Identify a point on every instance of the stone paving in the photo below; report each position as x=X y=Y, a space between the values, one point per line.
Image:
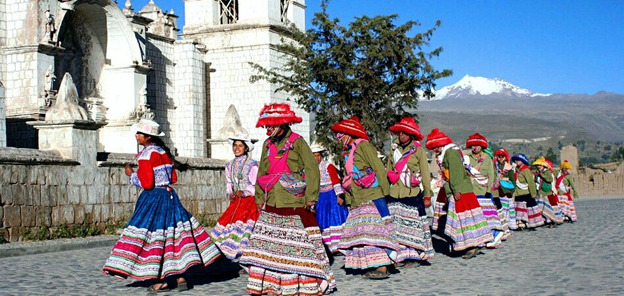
x=584 y=258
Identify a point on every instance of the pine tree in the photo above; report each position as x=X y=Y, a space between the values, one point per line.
x=374 y=69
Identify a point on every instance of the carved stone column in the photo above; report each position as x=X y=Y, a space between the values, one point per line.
x=68 y=129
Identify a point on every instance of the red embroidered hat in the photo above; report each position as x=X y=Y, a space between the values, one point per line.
x=436 y=138
x=477 y=139
x=351 y=126
x=409 y=126
x=275 y=114
x=501 y=152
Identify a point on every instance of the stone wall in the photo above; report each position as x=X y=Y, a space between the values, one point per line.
x=2 y=117
x=160 y=86
x=41 y=188
x=595 y=182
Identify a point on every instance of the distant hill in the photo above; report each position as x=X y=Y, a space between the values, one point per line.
x=505 y=112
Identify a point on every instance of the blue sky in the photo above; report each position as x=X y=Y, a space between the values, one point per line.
x=546 y=46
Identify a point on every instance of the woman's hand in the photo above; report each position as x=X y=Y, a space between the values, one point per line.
x=427 y=202
x=310 y=206
x=129 y=170
x=340 y=199
x=457 y=196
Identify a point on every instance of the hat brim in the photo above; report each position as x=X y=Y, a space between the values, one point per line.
x=135 y=129
x=247 y=142
x=406 y=129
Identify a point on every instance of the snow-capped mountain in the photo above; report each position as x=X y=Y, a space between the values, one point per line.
x=481 y=86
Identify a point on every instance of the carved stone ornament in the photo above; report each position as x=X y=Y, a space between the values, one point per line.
x=66 y=106
x=232 y=125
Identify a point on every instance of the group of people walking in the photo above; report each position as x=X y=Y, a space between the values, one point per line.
x=291 y=212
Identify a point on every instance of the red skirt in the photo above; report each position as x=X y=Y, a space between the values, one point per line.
x=240 y=209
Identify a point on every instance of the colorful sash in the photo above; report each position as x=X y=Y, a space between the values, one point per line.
x=279 y=170
x=401 y=170
x=364 y=179
x=520 y=185
x=559 y=183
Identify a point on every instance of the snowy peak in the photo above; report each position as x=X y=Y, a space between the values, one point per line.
x=481 y=86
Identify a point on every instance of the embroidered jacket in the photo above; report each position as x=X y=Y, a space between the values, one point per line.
x=365 y=158
x=417 y=163
x=485 y=166
x=329 y=178
x=240 y=174
x=300 y=160
x=155 y=169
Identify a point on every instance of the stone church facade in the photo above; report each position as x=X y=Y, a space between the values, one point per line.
x=130 y=63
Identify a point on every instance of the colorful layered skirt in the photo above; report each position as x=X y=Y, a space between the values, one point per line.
x=285 y=255
x=160 y=240
x=528 y=212
x=465 y=223
x=509 y=211
x=550 y=209
x=233 y=229
x=411 y=227
x=567 y=206
x=330 y=217
x=490 y=212
x=368 y=237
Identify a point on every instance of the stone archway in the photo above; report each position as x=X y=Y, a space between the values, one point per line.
x=103 y=54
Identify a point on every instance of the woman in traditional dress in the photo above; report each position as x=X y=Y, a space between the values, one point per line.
x=465 y=223
x=410 y=193
x=233 y=229
x=367 y=240
x=565 y=187
x=547 y=201
x=504 y=189
x=528 y=214
x=285 y=254
x=162 y=239
x=331 y=210
x=482 y=184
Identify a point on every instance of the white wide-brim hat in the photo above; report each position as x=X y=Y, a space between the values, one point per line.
x=243 y=138
x=316 y=148
x=148 y=127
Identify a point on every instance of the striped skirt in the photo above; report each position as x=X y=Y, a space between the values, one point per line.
x=465 y=223
x=330 y=216
x=528 y=212
x=233 y=229
x=550 y=210
x=509 y=211
x=567 y=206
x=411 y=227
x=160 y=240
x=368 y=237
x=490 y=212
x=439 y=209
x=286 y=255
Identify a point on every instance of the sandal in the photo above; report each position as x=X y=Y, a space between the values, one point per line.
x=375 y=275
x=182 y=286
x=164 y=287
x=470 y=254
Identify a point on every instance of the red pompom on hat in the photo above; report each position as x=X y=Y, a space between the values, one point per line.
x=276 y=114
x=352 y=127
x=409 y=126
x=436 y=138
x=501 y=152
x=477 y=139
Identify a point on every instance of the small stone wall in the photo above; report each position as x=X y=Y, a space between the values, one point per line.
x=595 y=182
x=41 y=188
